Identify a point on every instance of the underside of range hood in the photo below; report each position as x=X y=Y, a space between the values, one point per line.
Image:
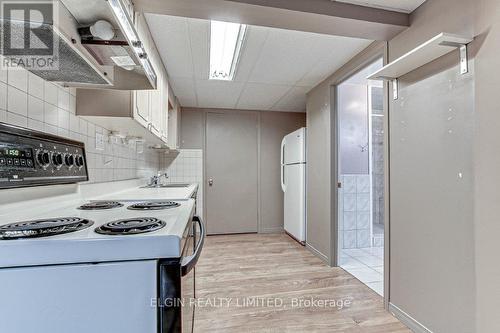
x=70 y=67
x=125 y=53
x=79 y=63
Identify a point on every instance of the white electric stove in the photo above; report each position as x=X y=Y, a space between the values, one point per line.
x=69 y=264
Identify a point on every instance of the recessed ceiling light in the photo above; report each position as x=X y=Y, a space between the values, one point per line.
x=226 y=40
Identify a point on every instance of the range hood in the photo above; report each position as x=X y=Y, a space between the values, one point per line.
x=89 y=63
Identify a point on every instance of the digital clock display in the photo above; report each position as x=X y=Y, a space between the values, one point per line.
x=13 y=152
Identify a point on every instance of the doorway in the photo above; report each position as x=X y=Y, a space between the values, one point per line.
x=361 y=192
x=231 y=172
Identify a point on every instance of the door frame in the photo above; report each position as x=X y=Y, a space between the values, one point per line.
x=382 y=53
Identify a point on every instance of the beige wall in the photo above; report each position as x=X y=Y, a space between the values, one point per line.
x=273 y=126
x=463 y=242
x=321 y=156
x=487 y=164
x=431 y=214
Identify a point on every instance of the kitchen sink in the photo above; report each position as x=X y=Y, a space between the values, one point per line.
x=175 y=185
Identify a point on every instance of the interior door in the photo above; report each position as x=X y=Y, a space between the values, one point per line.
x=231 y=172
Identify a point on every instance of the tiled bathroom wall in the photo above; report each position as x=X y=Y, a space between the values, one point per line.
x=186 y=166
x=355 y=211
x=28 y=101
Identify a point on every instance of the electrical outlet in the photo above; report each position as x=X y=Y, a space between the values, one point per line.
x=99 y=141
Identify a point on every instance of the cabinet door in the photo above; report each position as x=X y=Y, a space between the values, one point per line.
x=156 y=108
x=172 y=127
x=164 y=111
x=141 y=107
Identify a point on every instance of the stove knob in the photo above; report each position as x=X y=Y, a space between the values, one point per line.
x=57 y=159
x=79 y=161
x=43 y=158
x=69 y=160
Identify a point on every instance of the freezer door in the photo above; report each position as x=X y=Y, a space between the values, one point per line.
x=294 y=147
x=295 y=201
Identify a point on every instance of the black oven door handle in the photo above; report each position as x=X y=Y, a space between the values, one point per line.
x=188 y=262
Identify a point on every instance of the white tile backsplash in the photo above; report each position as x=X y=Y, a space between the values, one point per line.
x=17 y=101
x=186 y=166
x=35 y=86
x=35 y=108
x=27 y=100
x=3 y=96
x=18 y=78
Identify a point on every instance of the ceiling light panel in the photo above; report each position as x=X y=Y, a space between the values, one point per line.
x=226 y=40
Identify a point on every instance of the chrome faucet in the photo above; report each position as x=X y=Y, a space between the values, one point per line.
x=156 y=179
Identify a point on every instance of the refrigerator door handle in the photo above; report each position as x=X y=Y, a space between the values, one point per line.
x=282 y=162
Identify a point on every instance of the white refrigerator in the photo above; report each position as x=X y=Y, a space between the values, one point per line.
x=293 y=183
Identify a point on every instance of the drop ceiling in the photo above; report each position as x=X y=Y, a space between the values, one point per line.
x=276 y=69
x=405 y=6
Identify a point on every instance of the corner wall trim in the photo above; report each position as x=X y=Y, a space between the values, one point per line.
x=407 y=320
x=317 y=253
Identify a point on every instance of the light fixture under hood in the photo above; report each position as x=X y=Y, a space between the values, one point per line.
x=128 y=30
x=226 y=40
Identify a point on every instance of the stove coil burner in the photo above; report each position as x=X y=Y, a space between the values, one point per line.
x=96 y=205
x=131 y=226
x=43 y=228
x=154 y=205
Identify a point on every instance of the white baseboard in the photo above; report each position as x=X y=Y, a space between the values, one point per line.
x=408 y=320
x=317 y=253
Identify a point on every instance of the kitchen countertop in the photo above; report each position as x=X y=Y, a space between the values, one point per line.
x=148 y=193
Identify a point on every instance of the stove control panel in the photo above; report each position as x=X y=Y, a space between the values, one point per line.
x=30 y=158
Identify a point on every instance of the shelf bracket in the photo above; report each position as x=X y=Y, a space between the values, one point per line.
x=464 y=67
x=395 y=89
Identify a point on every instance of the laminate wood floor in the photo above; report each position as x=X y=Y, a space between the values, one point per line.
x=265 y=283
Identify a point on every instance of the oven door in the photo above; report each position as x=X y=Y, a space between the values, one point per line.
x=177 y=283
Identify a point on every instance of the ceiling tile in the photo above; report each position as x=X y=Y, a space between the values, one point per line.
x=254 y=41
x=285 y=57
x=293 y=101
x=333 y=57
x=175 y=50
x=199 y=32
x=218 y=94
x=258 y=96
x=184 y=89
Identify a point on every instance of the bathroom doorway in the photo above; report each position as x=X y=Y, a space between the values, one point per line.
x=361 y=178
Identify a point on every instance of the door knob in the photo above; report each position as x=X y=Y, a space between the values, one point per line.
x=210 y=182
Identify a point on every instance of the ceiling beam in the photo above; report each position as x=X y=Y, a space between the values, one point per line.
x=319 y=16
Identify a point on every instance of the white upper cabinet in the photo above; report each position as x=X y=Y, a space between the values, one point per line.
x=157 y=106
